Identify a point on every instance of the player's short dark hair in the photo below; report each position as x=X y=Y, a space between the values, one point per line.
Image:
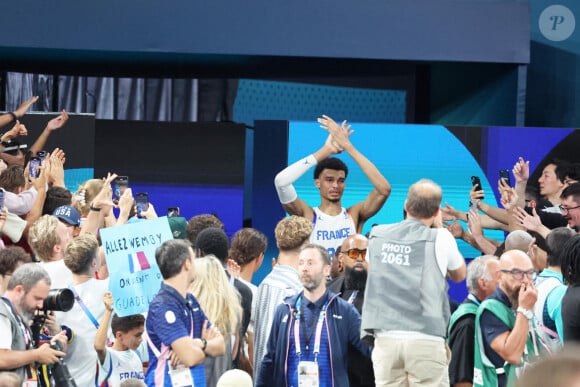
x=330 y=163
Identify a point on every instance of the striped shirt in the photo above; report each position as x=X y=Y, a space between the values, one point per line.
x=282 y=282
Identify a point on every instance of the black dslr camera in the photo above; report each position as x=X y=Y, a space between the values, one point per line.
x=59 y=371
x=58 y=300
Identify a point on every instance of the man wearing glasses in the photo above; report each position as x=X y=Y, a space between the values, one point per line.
x=502 y=323
x=570 y=206
x=351 y=287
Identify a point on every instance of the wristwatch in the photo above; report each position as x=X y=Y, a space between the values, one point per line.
x=526 y=312
x=5 y=143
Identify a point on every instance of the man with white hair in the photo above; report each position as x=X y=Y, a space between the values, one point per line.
x=481 y=282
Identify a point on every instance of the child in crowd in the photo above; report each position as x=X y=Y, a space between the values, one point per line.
x=119 y=362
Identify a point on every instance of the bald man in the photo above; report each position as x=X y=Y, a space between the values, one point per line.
x=406 y=304
x=502 y=323
x=518 y=240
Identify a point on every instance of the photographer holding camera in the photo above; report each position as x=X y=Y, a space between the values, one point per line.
x=26 y=291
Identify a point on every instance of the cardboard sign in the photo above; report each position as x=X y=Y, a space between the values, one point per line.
x=134 y=277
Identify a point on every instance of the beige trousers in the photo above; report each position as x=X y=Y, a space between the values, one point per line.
x=410 y=363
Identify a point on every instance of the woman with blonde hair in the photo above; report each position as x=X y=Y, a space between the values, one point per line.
x=222 y=305
x=85 y=195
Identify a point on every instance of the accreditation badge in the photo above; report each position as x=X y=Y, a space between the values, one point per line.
x=31 y=377
x=180 y=376
x=308 y=374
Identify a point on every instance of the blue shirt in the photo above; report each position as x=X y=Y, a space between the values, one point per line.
x=170 y=318
x=309 y=314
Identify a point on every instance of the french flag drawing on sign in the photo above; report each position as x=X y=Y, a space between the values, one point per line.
x=138 y=261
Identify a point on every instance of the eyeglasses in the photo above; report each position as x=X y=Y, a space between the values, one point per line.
x=355 y=253
x=519 y=274
x=567 y=209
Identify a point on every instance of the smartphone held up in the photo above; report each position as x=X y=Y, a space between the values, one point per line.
x=141 y=202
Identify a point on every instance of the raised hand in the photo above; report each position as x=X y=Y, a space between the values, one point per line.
x=105 y=196
x=59 y=154
x=454 y=228
x=23 y=108
x=529 y=222
x=474 y=223
x=108 y=301
x=340 y=134
x=476 y=196
x=56 y=171
x=521 y=170
x=57 y=122
x=528 y=295
x=449 y=212
x=17 y=130
x=509 y=196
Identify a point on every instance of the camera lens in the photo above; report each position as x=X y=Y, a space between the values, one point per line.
x=59 y=300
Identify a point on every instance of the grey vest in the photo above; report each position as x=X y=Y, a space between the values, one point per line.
x=405 y=289
x=18 y=342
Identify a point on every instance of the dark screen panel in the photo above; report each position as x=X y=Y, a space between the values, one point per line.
x=76 y=137
x=198 y=153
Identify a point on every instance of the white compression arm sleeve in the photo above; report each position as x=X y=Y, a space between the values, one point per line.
x=284 y=179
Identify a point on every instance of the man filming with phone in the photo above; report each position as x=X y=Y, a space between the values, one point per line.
x=26 y=291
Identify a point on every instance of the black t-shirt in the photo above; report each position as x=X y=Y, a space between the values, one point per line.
x=246 y=294
x=551 y=220
x=360 y=367
x=571 y=314
x=462 y=345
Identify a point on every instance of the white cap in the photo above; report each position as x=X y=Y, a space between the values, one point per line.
x=235 y=378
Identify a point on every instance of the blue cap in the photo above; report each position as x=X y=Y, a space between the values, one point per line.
x=68 y=214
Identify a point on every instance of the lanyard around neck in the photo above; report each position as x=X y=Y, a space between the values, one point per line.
x=352 y=296
x=84 y=307
x=321 y=316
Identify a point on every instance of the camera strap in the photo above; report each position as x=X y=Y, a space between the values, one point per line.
x=84 y=307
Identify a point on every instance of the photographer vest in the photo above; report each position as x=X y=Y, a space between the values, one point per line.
x=18 y=338
x=485 y=374
x=464 y=309
x=405 y=290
